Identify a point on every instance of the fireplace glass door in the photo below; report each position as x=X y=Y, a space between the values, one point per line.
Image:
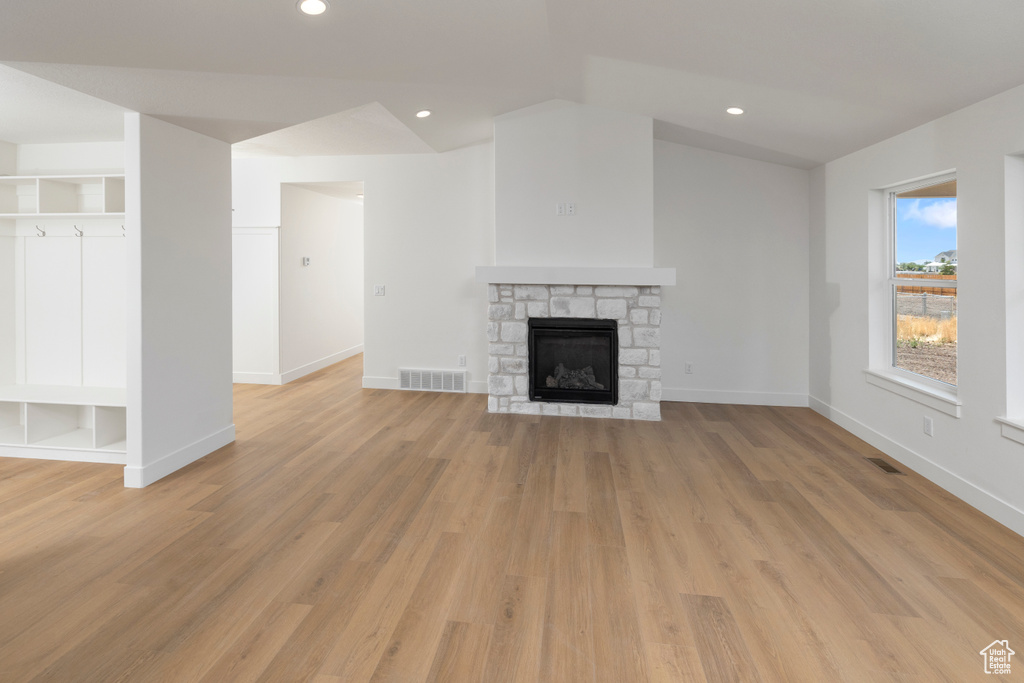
x=573 y=360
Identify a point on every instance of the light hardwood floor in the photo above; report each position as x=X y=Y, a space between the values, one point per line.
x=363 y=535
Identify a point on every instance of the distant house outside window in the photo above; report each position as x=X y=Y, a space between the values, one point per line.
x=923 y=222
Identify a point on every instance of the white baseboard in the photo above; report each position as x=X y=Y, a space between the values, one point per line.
x=255 y=378
x=138 y=477
x=996 y=508
x=683 y=395
x=308 y=368
x=380 y=382
x=68 y=454
x=742 y=398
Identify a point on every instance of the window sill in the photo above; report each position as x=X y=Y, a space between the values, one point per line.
x=1012 y=429
x=922 y=391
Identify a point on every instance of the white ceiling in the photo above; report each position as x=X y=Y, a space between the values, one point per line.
x=33 y=110
x=818 y=78
x=370 y=129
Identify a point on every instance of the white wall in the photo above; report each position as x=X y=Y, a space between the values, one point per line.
x=1014 y=270
x=178 y=213
x=8 y=158
x=428 y=222
x=322 y=303
x=967 y=455
x=736 y=230
x=70 y=158
x=8 y=349
x=255 y=296
x=599 y=159
x=428 y=226
x=351 y=308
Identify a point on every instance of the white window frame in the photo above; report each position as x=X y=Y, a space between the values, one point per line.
x=925 y=390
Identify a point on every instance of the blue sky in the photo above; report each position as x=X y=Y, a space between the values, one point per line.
x=925 y=226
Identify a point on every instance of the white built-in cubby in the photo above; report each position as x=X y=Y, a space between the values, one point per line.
x=53 y=196
x=63 y=418
x=63 y=323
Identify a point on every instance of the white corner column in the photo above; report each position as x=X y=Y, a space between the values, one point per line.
x=178 y=227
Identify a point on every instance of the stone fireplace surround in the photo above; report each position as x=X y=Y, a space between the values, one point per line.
x=637 y=309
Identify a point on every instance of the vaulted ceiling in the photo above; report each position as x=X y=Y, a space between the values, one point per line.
x=817 y=78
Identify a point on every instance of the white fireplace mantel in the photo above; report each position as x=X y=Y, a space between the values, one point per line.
x=554 y=275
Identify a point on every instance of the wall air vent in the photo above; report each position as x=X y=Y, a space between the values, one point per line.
x=414 y=379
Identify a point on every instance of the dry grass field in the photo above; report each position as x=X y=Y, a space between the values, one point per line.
x=911 y=328
x=927 y=346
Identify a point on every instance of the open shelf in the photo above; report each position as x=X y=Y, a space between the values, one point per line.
x=110 y=427
x=12 y=424
x=19 y=195
x=46 y=421
x=59 y=196
x=12 y=436
x=60 y=417
x=79 y=439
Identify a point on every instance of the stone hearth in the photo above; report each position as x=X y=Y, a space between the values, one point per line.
x=638 y=313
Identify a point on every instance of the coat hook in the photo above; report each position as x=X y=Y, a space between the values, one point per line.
x=42 y=233
x=78 y=233
x=123 y=233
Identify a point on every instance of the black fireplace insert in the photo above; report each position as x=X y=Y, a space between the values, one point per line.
x=574 y=360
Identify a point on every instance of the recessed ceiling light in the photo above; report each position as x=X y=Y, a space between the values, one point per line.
x=423 y=113
x=313 y=7
x=735 y=111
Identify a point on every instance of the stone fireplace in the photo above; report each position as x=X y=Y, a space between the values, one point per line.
x=574 y=238
x=636 y=312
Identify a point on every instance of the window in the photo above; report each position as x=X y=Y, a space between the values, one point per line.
x=923 y=277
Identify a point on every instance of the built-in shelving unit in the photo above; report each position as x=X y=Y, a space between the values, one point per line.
x=61 y=196
x=62 y=317
x=62 y=417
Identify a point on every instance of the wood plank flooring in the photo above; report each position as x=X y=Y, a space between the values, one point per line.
x=366 y=535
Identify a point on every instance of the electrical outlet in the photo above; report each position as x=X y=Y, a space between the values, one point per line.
x=929 y=426
x=378 y=290
x=462 y=361
x=560 y=209
x=305 y=260
x=689 y=368
x=570 y=209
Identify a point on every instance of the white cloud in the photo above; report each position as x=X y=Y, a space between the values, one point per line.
x=940 y=214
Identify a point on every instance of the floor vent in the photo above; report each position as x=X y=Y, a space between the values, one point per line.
x=432 y=380
x=884 y=466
